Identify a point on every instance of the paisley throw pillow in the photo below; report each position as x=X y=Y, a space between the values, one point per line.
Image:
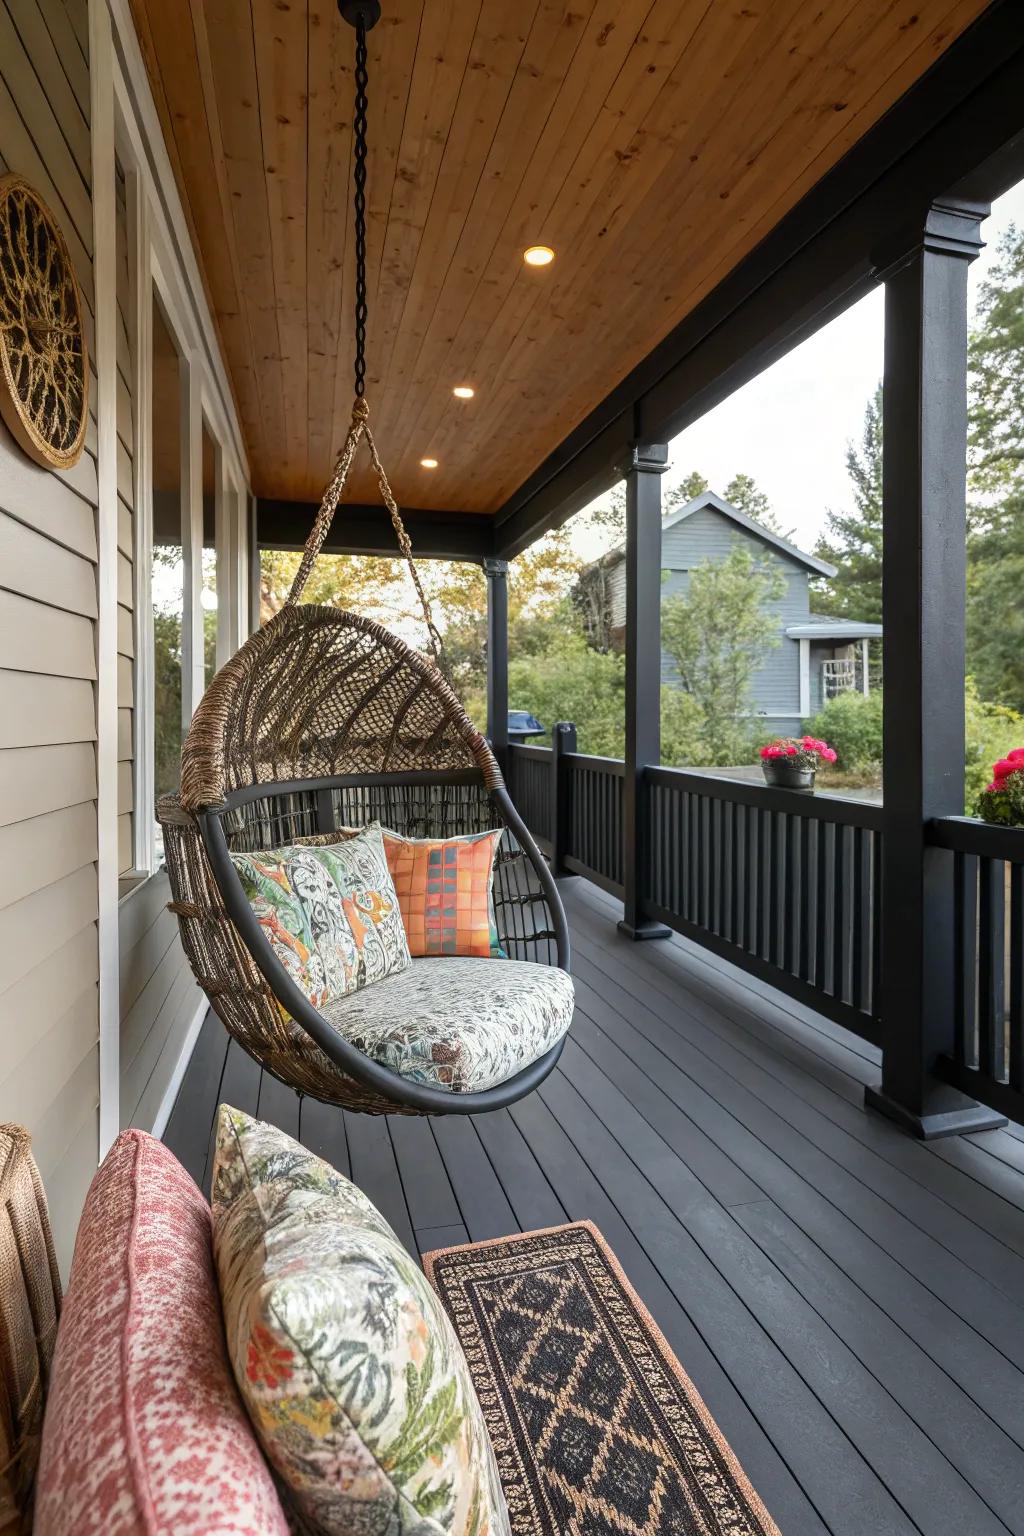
x=354 y=1380
x=330 y=914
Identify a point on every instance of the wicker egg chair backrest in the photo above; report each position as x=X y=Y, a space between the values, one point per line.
x=318 y=693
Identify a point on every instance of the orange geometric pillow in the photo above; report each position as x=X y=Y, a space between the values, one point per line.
x=444 y=892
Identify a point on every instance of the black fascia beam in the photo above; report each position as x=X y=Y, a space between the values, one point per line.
x=360 y=529
x=960 y=126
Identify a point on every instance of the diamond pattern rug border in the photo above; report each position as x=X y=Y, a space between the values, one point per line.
x=655 y=1463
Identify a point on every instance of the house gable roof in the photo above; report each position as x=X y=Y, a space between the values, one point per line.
x=749 y=525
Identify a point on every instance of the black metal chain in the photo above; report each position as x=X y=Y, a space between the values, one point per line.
x=359 y=133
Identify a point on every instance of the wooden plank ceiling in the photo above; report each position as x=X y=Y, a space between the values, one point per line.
x=650 y=144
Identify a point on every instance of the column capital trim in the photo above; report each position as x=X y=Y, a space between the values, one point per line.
x=494 y=567
x=646 y=459
x=951 y=227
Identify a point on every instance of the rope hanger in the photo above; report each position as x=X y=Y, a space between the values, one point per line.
x=362 y=15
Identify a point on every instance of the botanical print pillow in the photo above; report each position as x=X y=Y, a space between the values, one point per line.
x=353 y=1377
x=331 y=914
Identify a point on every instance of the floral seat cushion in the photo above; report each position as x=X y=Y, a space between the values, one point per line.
x=353 y=1377
x=458 y=1022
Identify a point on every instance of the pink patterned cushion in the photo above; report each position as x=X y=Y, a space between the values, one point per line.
x=144 y=1432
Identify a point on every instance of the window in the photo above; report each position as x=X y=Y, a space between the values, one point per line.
x=211 y=569
x=168 y=568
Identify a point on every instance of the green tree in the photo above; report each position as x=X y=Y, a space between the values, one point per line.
x=539 y=612
x=744 y=493
x=694 y=484
x=995 y=570
x=610 y=515
x=167 y=701
x=367 y=584
x=996 y=432
x=569 y=681
x=853 y=540
x=717 y=634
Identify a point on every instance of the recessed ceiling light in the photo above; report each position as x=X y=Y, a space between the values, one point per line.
x=429 y=463
x=463 y=391
x=538 y=255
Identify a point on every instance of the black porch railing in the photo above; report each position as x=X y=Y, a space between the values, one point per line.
x=788 y=887
x=529 y=775
x=784 y=885
x=984 y=866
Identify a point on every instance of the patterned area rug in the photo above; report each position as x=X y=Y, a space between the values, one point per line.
x=597 y=1429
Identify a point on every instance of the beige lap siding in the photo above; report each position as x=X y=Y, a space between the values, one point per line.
x=49 y=1021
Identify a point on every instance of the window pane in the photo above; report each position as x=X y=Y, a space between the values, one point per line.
x=210 y=572
x=168 y=580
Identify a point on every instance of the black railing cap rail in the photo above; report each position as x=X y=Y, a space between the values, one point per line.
x=612 y=765
x=841 y=810
x=965 y=834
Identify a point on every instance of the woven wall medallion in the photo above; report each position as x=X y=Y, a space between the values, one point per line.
x=44 y=367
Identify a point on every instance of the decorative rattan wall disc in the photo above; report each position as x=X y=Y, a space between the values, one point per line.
x=44 y=367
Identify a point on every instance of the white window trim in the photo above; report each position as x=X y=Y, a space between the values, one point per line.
x=126 y=129
x=105 y=298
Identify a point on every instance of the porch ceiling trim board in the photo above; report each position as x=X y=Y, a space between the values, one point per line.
x=361 y=529
x=959 y=124
x=652 y=144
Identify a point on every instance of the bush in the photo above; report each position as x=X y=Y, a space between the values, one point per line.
x=990 y=731
x=684 y=740
x=578 y=684
x=852 y=724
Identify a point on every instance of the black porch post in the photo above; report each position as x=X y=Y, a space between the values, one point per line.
x=647 y=463
x=924 y=540
x=496 y=572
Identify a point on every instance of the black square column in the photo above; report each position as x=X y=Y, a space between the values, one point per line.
x=496 y=572
x=647 y=463
x=924 y=526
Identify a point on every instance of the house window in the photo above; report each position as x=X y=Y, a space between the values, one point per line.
x=168 y=564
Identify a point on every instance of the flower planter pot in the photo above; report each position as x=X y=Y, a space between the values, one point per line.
x=787 y=775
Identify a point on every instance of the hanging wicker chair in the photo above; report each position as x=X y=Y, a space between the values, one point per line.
x=322 y=720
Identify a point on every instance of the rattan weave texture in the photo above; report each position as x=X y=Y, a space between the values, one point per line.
x=30 y=1297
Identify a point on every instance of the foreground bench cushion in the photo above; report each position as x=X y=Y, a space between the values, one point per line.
x=349 y=1367
x=144 y=1432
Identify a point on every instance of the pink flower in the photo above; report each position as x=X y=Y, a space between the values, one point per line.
x=791 y=751
x=1004 y=768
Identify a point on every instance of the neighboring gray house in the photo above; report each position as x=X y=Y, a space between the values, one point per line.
x=816 y=657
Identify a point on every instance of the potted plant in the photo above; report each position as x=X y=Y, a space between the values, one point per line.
x=790 y=762
x=1002 y=801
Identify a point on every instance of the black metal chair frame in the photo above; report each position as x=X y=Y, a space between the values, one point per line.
x=371 y=1074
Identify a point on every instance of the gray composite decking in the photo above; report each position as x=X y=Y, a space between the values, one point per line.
x=849 y=1302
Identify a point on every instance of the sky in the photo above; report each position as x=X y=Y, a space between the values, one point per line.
x=789 y=427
